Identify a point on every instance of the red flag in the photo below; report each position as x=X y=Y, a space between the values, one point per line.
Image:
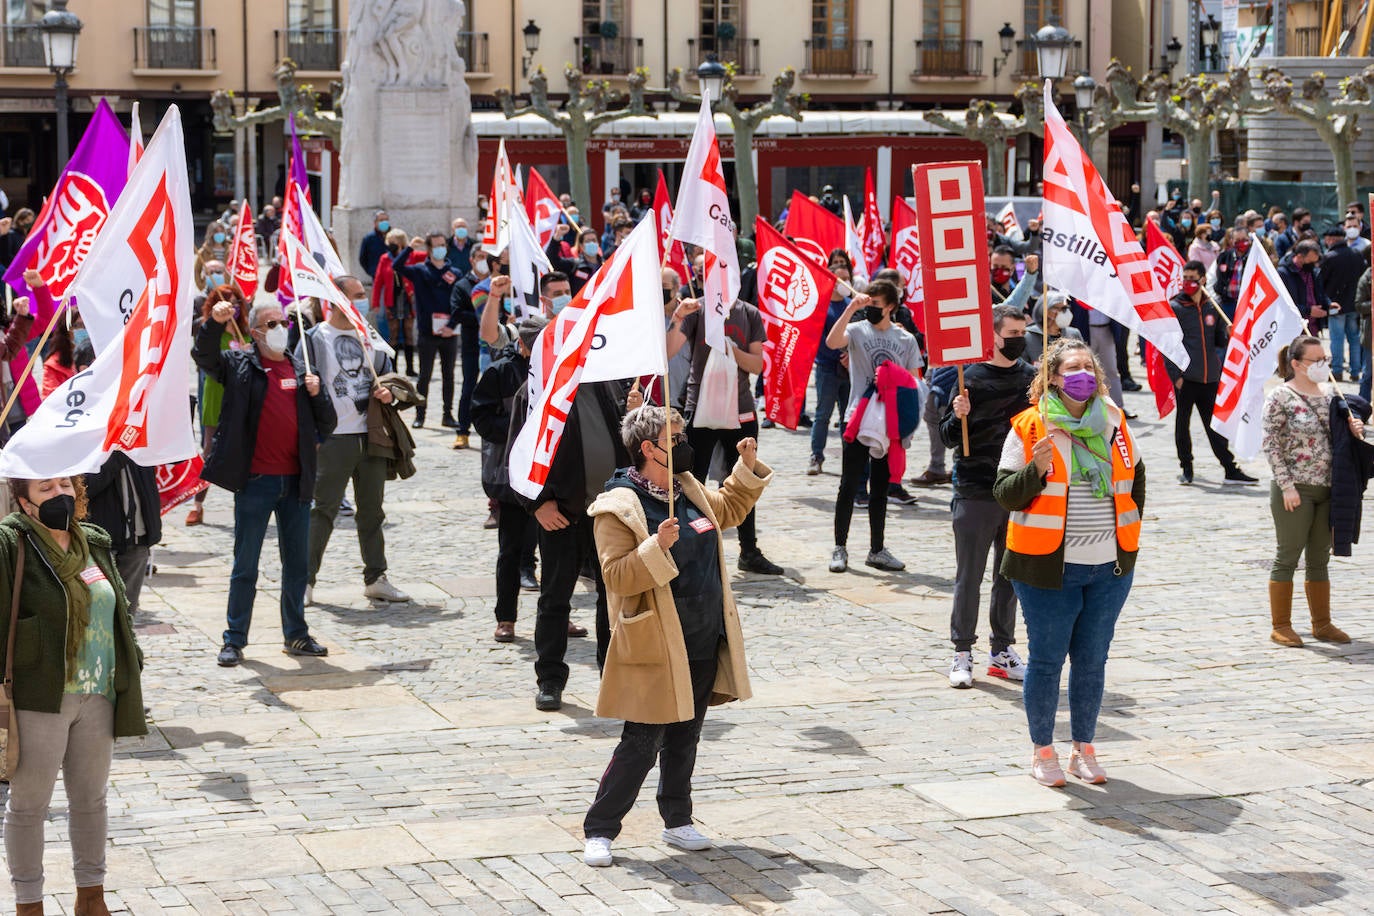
x=873 y=239
x=793 y=297
x=1164 y=259
x=1160 y=383
x=813 y=229
x=670 y=254
x=292 y=221
x=950 y=219
x=178 y=482
x=243 y=254
x=543 y=208
x=906 y=258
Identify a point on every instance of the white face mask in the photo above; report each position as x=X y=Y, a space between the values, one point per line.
x=1063 y=319
x=1319 y=373
x=1352 y=232
x=275 y=339
x=480 y=268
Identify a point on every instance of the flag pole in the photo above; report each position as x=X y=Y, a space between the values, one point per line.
x=28 y=367
x=668 y=389
x=1216 y=305
x=963 y=421
x=305 y=347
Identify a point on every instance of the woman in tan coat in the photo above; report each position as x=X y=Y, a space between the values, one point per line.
x=676 y=645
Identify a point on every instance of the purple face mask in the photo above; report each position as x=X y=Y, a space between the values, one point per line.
x=1080 y=385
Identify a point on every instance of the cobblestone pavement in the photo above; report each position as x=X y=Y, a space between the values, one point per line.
x=409 y=771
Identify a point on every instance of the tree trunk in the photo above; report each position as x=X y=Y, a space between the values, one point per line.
x=995 y=176
x=1199 y=152
x=1343 y=157
x=575 y=136
x=746 y=183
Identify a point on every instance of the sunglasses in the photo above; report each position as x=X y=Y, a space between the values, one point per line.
x=272 y=323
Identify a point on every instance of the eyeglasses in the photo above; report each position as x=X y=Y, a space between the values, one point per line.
x=1319 y=359
x=272 y=324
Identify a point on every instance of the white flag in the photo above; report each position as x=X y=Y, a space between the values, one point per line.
x=613 y=329
x=504 y=197
x=1011 y=226
x=702 y=218
x=317 y=240
x=1089 y=249
x=135 y=139
x=309 y=279
x=1266 y=319
x=528 y=262
x=854 y=245
x=133 y=397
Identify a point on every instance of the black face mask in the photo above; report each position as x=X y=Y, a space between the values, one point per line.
x=1013 y=347
x=684 y=458
x=874 y=313
x=56 y=512
x=669 y=295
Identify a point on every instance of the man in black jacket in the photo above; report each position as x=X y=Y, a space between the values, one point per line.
x=435 y=328
x=373 y=246
x=264 y=453
x=463 y=320
x=124 y=501
x=1205 y=337
x=1341 y=267
x=994 y=392
x=1304 y=283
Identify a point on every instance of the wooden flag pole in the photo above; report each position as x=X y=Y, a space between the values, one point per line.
x=305 y=347
x=1216 y=305
x=963 y=421
x=28 y=368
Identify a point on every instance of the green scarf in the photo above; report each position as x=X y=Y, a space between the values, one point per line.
x=1091 y=462
x=68 y=564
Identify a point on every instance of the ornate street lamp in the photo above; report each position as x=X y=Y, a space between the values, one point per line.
x=1211 y=30
x=712 y=76
x=531 y=33
x=60 y=30
x=1052 y=44
x=1006 y=37
x=1083 y=89
x=1171 y=54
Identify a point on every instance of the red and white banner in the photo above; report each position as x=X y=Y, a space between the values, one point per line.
x=813 y=229
x=1010 y=225
x=702 y=218
x=542 y=207
x=1266 y=319
x=854 y=246
x=528 y=262
x=670 y=253
x=315 y=237
x=906 y=258
x=793 y=297
x=135 y=138
x=871 y=226
x=1090 y=251
x=585 y=352
x=954 y=261
x=501 y=203
x=1164 y=258
x=309 y=279
x=178 y=482
x=133 y=397
x=243 y=254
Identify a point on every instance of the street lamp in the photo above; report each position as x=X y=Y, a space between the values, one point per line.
x=1083 y=89
x=1171 y=53
x=531 y=33
x=1210 y=30
x=1006 y=37
x=60 y=30
x=1052 y=44
x=712 y=76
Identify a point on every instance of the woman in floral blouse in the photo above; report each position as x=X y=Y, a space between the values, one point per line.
x=1297 y=443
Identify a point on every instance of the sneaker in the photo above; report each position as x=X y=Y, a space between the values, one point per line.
x=1045 y=768
x=491 y=522
x=839 y=559
x=961 y=670
x=1186 y=478
x=309 y=595
x=306 y=645
x=755 y=562
x=597 y=852
x=1238 y=478
x=686 y=837
x=814 y=467
x=1083 y=764
x=196 y=516
x=898 y=496
x=345 y=507
x=931 y=478
x=1007 y=664
x=528 y=582
x=229 y=656
x=861 y=501
x=884 y=560
x=382 y=590
x=460 y=440
x=767 y=423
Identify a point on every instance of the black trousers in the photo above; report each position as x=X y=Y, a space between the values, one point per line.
x=515 y=538
x=471 y=358
x=675 y=748
x=703 y=442
x=855 y=460
x=564 y=553
x=447 y=350
x=1198 y=396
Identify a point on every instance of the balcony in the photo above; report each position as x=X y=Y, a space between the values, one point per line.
x=23 y=47
x=1029 y=65
x=1307 y=42
x=837 y=57
x=472 y=48
x=619 y=56
x=316 y=50
x=743 y=53
x=174 y=48
x=948 y=58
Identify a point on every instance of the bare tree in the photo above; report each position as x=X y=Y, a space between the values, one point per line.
x=1336 y=120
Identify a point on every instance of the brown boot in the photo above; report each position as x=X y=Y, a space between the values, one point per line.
x=28 y=909
x=90 y=901
x=1281 y=610
x=1319 y=603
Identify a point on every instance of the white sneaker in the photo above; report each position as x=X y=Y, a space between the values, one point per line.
x=961 y=670
x=839 y=559
x=686 y=837
x=309 y=595
x=382 y=590
x=597 y=852
x=1007 y=664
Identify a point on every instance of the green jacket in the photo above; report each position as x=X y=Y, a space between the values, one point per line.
x=40 y=670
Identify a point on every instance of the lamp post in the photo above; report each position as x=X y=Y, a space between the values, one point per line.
x=1052 y=44
x=711 y=74
x=531 y=33
x=1169 y=59
x=1084 y=89
x=1210 y=29
x=1006 y=37
x=60 y=30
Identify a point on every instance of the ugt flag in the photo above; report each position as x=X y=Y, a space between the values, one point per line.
x=309 y=279
x=243 y=254
x=814 y=229
x=542 y=207
x=133 y=397
x=672 y=255
x=906 y=257
x=505 y=196
x=1266 y=319
x=871 y=226
x=853 y=244
x=1090 y=250
x=794 y=295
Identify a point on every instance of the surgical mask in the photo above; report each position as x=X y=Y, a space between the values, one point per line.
x=1013 y=347
x=57 y=512
x=480 y=268
x=219 y=238
x=1063 y=319
x=1186 y=223
x=438 y=252
x=1190 y=287
x=509 y=305
x=460 y=233
x=384 y=226
x=1260 y=232
x=214 y=280
x=557 y=303
x=874 y=313
x=1352 y=232
x=80 y=336
x=1176 y=195
x=275 y=339
x=683 y=456
x=591 y=249
x=1317 y=373
x=1080 y=385
x=1216 y=223
x=1000 y=276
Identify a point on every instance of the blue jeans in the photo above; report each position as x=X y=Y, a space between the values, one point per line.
x=1074 y=621
x=1345 y=336
x=1368 y=377
x=827 y=394
x=253 y=508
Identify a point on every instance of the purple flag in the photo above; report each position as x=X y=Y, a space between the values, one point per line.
x=298 y=160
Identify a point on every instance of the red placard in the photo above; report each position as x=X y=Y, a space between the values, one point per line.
x=954 y=261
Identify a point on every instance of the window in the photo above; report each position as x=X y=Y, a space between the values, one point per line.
x=173 y=37
x=595 y=12
x=19 y=12
x=311 y=14
x=1039 y=13
x=831 y=23
x=23 y=47
x=944 y=20
x=717 y=13
x=183 y=14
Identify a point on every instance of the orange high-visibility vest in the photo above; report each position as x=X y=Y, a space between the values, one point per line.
x=1038 y=530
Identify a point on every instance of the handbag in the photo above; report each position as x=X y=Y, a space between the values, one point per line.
x=9 y=722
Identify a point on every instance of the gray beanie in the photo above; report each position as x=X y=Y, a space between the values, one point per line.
x=529 y=328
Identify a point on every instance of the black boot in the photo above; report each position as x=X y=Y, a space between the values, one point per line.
x=419 y=419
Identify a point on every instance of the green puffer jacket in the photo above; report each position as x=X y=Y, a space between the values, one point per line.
x=39 y=656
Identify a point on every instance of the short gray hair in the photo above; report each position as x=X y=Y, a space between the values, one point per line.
x=645 y=424
x=258 y=309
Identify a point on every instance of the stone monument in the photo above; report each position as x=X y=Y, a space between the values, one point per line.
x=408 y=145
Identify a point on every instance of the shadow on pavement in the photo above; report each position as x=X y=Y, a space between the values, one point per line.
x=785 y=873
x=1118 y=805
x=833 y=741
x=1289 y=888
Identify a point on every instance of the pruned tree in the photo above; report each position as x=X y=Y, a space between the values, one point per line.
x=590 y=105
x=1336 y=120
x=295 y=98
x=982 y=122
